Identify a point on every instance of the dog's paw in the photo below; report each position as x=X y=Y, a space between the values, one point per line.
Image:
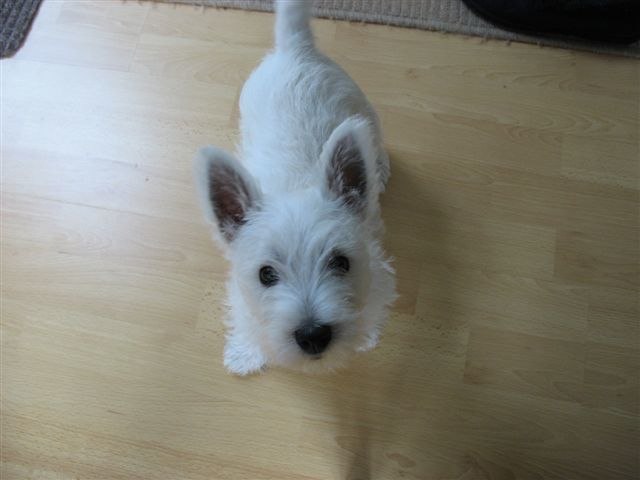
x=242 y=359
x=369 y=342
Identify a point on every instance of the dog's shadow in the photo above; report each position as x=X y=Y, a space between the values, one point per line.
x=370 y=399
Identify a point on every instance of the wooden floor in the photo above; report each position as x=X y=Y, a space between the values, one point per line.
x=513 y=215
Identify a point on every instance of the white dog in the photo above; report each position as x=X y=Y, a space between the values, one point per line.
x=299 y=217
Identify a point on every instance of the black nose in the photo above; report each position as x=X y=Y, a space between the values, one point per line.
x=313 y=339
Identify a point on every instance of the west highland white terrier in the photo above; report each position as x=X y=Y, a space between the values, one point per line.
x=299 y=217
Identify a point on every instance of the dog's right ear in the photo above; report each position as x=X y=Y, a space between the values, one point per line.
x=227 y=191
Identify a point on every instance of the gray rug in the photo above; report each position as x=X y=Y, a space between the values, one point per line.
x=16 y=17
x=443 y=15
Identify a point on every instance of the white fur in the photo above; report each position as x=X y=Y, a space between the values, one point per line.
x=295 y=108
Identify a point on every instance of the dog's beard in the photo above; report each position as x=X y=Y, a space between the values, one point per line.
x=277 y=315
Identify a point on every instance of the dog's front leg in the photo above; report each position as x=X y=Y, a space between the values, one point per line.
x=241 y=354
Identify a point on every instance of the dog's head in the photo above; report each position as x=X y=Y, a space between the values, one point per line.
x=302 y=261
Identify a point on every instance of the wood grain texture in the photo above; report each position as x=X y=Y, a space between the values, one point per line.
x=512 y=213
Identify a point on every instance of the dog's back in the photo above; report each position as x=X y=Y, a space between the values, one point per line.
x=291 y=104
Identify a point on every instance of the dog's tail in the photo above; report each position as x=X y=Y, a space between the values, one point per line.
x=293 y=29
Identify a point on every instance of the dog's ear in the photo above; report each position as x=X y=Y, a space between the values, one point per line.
x=346 y=157
x=227 y=191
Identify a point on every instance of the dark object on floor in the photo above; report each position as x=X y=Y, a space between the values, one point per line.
x=614 y=21
x=16 y=17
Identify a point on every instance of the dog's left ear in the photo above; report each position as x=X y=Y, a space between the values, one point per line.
x=227 y=190
x=347 y=157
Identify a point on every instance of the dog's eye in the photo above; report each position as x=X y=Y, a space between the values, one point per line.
x=340 y=264
x=268 y=276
